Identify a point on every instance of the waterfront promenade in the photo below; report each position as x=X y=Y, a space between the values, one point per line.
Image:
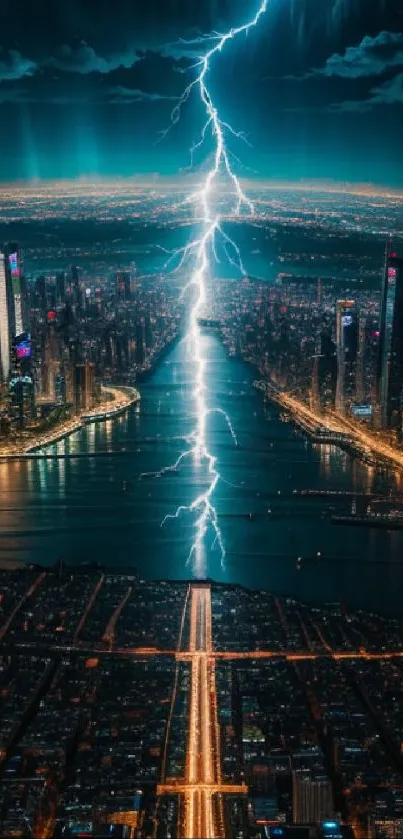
x=120 y=399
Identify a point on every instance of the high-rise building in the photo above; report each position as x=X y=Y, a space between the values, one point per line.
x=390 y=356
x=140 y=352
x=123 y=285
x=360 y=369
x=22 y=393
x=13 y=261
x=315 y=391
x=346 y=338
x=40 y=301
x=75 y=287
x=4 y=321
x=60 y=289
x=312 y=800
x=84 y=386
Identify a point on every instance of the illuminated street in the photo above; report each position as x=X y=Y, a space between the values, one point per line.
x=202 y=788
x=201 y=419
x=118 y=401
x=366 y=442
x=201 y=761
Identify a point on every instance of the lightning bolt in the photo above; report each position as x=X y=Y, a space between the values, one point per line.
x=201 y=252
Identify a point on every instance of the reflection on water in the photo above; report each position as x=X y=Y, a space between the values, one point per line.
x=92 y=506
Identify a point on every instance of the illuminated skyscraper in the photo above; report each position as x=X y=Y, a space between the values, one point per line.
x=13 y=263
x=347 y=335
x=360 y=371
x=390 y=357
x=22 y=392
x=84 y=386
x=4 y=321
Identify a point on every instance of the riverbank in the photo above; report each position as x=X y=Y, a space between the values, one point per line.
x=75 y=504
x=120 y=400
x=332 y=429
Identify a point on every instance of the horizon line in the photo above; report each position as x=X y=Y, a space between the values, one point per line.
x=152 y=181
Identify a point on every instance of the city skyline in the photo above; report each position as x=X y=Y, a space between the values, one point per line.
x=201 y=419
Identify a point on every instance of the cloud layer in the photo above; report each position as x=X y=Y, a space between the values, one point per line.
x=83 y=60
x=13 y=66
x=388 y=93
x=372 y=57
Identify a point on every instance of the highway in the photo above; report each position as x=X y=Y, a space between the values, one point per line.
x=201 y=788
x=202 y=761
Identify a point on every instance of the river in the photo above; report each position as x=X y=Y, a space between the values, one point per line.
x=77 y=507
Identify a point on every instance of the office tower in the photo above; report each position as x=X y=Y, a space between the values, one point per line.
x=86 y=300
x=51 y=360
x=390 y=355
x=312 y=800
x=75 y=287
x=84 y=386
x=22 y=346
x=315 y=392
x=133 y=279
x=140 y=342
x=40 y=294
x=148 y=331
x=22 y=393
x=60 y=289
x=4 y=322
x=346 y=338
x=123 y=285
x=319 y=294
x=359 y=382
x=98 y=300
x=19 y=313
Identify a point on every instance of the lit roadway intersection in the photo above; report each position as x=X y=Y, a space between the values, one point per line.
x=202 y=788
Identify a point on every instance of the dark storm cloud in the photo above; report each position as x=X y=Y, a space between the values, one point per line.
x=117 y=95
x=372 y=57
x=124 y=96
x=150 y=78
x=83 y=59
x=388 y=93
x=13 y=66
x=116 y=67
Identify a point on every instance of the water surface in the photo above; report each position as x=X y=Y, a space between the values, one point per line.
x=76 y=506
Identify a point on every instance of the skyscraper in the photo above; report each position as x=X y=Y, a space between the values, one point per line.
x=312 y=800
x=360 y=378
x=347 y=335
x=123 y=285
x=4 y=321
x=390 y=356
x=75 y=287
x=13 y=263
x=22 y=392
x=84 y=386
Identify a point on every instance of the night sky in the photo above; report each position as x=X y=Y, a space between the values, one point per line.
x=86 y=86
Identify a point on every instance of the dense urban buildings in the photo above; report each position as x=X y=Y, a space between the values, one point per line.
x=63 y=336
x=168 y=709
x=201 y=419
x=101 y=673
